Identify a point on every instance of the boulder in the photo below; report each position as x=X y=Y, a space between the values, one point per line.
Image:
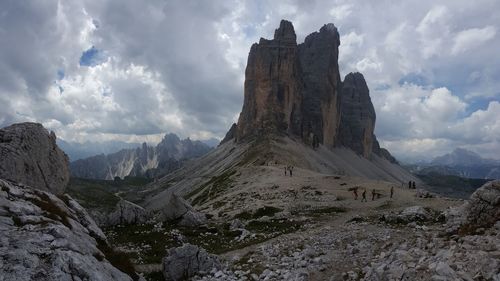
x=127 y=213
x=45 y=237
x=29 y=155
x=482 y=210
x=186 y=261
x=193 y=218
x=178 y=209
x=483 y=207
x=422 y=193
x=409 y=215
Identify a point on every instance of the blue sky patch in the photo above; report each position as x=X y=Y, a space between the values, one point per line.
x=415 y=79
x=91 y=57
x=60 y=74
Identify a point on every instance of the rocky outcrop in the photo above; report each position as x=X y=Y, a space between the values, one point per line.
x=483 y=208
x=29 y=155
x=481 y=211
x=320 y=73
x=409 y=215
x=358 y=115
x=178 y=209
x=49 y=238
x=146 y=160
x=231 y=134
x=273 y=87
x=187 y=261
x=296 y=90
x=127 y=213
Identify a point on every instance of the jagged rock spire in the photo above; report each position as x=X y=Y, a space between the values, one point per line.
x=296 y=90
x=285 y=32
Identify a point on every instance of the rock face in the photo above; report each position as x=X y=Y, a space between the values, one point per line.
x=231 y=134
x=178 y=209
x=127 y=213
x=47 y=238
x=273 y=86
x=29 y=155
x=358 y=115
x=187 y=261
x=320 y=73
x=483 y=208
x=296 y=90
x=146 y=160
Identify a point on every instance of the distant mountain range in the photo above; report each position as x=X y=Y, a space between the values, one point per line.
x=460 y=162
x=144 y=160
x=77 y=150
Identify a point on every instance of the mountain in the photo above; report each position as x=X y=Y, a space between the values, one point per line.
x=76 y=150
x=296 y=112
x=145 y=160
x=460 y=162
x=461 y=157
x=296 y=91
x=48 y=230
x=29 y=155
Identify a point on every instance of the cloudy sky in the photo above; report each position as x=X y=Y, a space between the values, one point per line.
x=133 y=70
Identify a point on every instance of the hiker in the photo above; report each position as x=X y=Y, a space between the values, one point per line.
x=285 y=170
x=364 y=196
x=373 y=194
x=409 y=185
x=291 y=170
x=355 y=191
x=392 y=191
x=414 y=187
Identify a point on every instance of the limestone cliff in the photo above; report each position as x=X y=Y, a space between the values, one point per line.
x=273 y=86
x=357 y=115
x=29 y=155
x=320 y=71
x=296 y=90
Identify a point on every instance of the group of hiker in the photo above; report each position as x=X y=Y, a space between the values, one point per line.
x=412 y=185
x=375 y=194
x=289 y=169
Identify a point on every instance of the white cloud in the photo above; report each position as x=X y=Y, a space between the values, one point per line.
x=471 y=38
x=341 y=12
x=434 y=30
x=185 y=61
x=481 y=125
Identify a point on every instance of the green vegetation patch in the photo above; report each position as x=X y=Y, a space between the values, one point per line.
x=147 y=243
x=274 y=226
x=213 y=188
x=319 y=212
x=100 y=194
x=260 y=212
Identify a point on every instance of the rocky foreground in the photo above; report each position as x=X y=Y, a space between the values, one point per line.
x=461 y=243
x=49 y=238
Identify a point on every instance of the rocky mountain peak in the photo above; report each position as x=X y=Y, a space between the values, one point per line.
x=170 y=138
x=296 y=90
x=37 y=161
x=285 y=32
x=329 y=28
x=358 y=115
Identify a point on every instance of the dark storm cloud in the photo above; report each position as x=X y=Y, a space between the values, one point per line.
x=117 y=69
